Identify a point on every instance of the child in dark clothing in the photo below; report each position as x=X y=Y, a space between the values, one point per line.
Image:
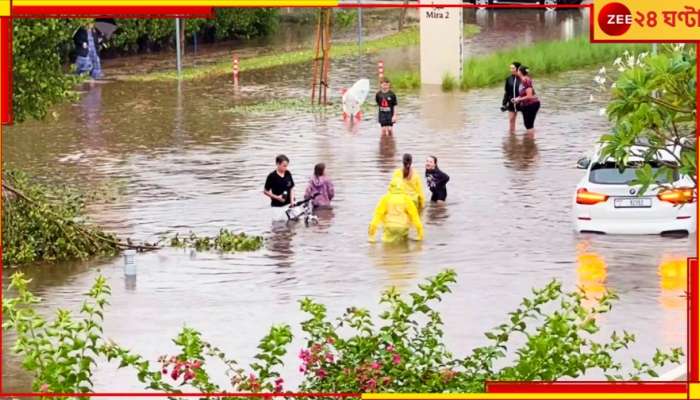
x=386 y=101
x=437 y=180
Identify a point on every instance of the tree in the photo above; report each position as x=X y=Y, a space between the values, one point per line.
x=39 y=78
x=653 y=112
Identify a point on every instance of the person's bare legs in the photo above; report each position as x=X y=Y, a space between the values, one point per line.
x=511 y=119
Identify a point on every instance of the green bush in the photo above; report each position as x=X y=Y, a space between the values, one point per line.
x=653 y=108
x=145 y=34
x=402 y=351
x=40 y=48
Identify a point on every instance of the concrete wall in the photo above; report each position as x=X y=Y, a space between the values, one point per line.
x=441 y=41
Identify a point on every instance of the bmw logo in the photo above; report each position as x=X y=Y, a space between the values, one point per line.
x=633 y=191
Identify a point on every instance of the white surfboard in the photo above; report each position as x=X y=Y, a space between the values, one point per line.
x=355 y=96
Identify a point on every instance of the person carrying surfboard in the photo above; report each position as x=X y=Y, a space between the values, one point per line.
x=386 y=102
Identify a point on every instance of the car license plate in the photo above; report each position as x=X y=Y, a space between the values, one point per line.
x=633 y=203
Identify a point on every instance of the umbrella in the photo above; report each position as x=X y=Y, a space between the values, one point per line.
x=107 y=26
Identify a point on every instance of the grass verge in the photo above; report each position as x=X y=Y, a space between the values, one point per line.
x=542 y=58
x=407 y=37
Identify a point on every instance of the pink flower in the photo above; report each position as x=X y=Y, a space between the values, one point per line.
x=302 y=368
x=278 y=384
x=376 y=365
x=390 y=348
x=330 y=340
x=371 y=384
x=304 y=355
x=188 y=375
x=44 y=388
x=321 y=373
x=329 y=357
x=396 y=359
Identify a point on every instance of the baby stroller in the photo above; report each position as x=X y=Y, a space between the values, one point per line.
x=303 y=209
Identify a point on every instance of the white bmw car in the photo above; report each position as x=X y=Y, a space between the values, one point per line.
x=606 y=203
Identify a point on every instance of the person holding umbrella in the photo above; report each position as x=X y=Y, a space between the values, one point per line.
x=88 y=40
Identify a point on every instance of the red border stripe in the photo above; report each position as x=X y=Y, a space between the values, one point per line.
x=112 y=11
x=586 y=387
x=6 y=72
x=693 y=323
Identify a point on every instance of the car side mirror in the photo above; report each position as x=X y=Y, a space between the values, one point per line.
x=583 y=163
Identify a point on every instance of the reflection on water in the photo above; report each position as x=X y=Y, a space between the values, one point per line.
x=591 y=271
x=387 y=154
x=440 y=111
x=280 y=243
x=520 y=151
x=396 y=262
x=673 y=274
x=179 y=162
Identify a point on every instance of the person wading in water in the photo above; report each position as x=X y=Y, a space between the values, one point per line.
x=512 y=90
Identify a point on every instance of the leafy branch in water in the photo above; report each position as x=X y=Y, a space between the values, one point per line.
x=48 y=224
x=225 y=241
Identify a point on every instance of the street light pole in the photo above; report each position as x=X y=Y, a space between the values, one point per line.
x=177 y=45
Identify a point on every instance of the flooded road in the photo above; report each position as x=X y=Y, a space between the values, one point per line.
x=175 y=160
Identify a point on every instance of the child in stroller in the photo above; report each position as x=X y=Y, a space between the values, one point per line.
x=303 y=209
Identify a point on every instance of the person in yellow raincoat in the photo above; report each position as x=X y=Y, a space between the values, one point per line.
x=396 y=212
x=411 y=182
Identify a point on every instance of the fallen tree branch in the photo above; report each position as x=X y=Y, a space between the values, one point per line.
x=86 y=232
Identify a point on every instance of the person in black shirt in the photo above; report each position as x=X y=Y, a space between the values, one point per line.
x=386 y=102
x=279 y=186
x=437 y=180
x=512 y=90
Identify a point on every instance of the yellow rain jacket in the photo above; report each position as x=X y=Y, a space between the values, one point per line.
x=397 y=212
x=412 y=186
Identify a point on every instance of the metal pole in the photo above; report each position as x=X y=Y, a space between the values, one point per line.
x=177 y=44
x=359 y=23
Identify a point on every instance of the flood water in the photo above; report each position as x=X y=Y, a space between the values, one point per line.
x=176 y=161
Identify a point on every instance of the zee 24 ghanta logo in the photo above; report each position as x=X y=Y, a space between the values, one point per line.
x=616 y=19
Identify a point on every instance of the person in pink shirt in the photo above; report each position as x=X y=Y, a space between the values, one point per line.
x=320 y=184
x=528 y=103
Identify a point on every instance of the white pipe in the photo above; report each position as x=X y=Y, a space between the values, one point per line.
x=129 y=263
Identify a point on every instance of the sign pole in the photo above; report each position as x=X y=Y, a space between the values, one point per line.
x=177 y=44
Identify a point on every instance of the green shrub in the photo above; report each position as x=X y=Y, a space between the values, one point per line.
x=402 y=351
x=40 y=47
